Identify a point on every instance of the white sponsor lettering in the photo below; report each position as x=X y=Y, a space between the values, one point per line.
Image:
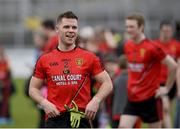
x=58 y=78
x=136 y=67
x=74 y=77
x=70 y=79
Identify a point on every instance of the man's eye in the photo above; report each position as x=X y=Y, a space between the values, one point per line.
x=66 y=27
x=74 y=27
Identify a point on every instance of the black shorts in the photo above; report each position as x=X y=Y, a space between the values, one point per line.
x=172 y=92
x=149 y=110
x=63 y=121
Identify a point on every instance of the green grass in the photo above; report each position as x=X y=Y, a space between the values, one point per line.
x=23 y=110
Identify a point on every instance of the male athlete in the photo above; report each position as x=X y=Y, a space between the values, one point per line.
x=68 y=70
x=144 y=63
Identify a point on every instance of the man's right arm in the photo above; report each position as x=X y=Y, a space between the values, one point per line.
x=35 y=94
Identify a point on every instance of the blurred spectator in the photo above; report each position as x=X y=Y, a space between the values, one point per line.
x=6 y=89
x=48 y=28
x=88 y=40
x=177 y=30
x=172 y=48
x=120 y=93
x=111 y=66
x=121 y=42
x=177 y=108
x=104 y=38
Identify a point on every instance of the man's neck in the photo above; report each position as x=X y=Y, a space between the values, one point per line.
x=139 y=38
x=63 y=47
x=164 y=40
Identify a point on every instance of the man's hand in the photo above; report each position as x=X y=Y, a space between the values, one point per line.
x=161 y=91
x=92 y=108
x=49 y=108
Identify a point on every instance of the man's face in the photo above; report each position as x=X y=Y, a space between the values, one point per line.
x=67 y=30
x=166 y=32
x=133 y=29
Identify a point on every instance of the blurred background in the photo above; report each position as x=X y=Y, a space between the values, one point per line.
x=19 y=19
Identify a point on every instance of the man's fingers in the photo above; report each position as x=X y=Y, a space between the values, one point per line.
x=158 y=93
x=90 y=114
x=57 y=112
x=50 y=115
x=94 y=116
x=53 y=113
x=87 y=114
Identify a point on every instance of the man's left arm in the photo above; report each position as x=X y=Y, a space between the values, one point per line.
x=172 y=66
x=104 y=90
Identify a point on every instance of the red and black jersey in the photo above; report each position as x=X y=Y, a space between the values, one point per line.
x=171 y=48
x=64 y=73
x=144 y=63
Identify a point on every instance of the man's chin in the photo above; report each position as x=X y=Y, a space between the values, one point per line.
x=69 y=43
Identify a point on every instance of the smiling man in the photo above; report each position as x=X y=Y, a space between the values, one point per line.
x=68 y=71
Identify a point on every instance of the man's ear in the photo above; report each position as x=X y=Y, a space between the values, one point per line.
x=142 y=28
x=57 y=29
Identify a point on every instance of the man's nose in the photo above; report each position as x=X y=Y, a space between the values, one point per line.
x=71 y=29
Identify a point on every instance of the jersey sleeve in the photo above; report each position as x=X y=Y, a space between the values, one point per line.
x=39 y=71
x=157 y=52
x=97 y=66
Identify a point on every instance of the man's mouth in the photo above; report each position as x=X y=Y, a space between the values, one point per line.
x=70 y=35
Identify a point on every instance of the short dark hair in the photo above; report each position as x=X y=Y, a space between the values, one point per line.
x=123 y=62
x=48 y=23
x=68 y=14
x=138 y=17
x=165 y=22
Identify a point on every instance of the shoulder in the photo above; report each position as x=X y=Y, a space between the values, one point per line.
x=152 y=44
x=175 y=41
x=86 y=53
x=47 y=55
x=128 y=43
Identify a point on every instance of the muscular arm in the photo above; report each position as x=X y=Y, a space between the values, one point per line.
x=35 y=94
x=34 y=89
x=106 y=85
x=171 y=65
x=105 y=89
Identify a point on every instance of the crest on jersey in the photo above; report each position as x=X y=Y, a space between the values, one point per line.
x=66 y=71
x=79 y=61
x=142 y=52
